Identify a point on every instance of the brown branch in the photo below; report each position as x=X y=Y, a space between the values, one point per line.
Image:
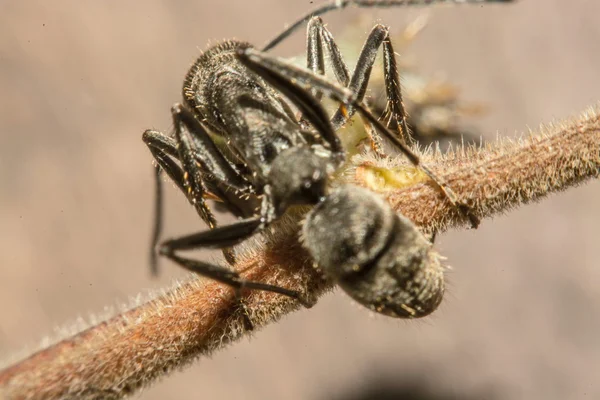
x=122 y=354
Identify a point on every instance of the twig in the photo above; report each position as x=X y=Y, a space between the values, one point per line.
x=129 y=351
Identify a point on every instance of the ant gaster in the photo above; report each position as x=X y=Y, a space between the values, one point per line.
x=381 y=259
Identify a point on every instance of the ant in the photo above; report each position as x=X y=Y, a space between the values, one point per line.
x=239 y=93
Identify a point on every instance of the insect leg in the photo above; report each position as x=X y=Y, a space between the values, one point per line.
x=199 y=157
x=218 y=237
x=221 y=274
x=315 y=60
x=166 y=147
x=309 y=106
x=165 y=163
x=233 y=279
x=358 y=83
x=223 y=237
x=194 y=140
x=378 y=38
x=317 y=34
x=285 y=74
x=197 y=147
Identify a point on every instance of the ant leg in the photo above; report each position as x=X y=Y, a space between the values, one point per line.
x=193 y=141
x=195 y=146
x=310 y=108
x=199 y=157
x=316 y=35
x=394 y=108
x=315 y=60
x=223 y=237
x=395 y=111
x=163 y=148
x=166 y=146
x=229 y=277
x=228 y=235
x=317 y=32
x=218 y=237
x=281 y=74
x=163 y=163
x=358 y=83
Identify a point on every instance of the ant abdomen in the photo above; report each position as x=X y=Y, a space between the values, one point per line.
x=378 y=257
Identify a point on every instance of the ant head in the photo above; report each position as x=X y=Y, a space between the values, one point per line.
x=298 y=176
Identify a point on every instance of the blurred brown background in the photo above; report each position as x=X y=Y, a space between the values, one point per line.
x=80 y=81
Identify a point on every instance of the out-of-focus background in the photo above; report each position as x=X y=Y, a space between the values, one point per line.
x=80 y=81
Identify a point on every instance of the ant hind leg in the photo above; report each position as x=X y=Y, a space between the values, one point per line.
x=229 y=277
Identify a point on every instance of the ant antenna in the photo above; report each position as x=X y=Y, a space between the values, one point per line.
x=341 y=4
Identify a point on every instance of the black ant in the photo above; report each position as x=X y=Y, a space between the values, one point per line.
x=239 y=93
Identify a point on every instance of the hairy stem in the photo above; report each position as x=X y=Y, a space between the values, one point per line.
x=124 y=353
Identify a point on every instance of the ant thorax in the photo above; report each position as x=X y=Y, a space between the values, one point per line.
x=239 y=105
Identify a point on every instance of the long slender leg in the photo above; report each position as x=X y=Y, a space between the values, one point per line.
x=316 y=36
x=189 y=177
x=158 y=220
x=227 y=235
x=308 y=105
x=192 y=175
x=341 y=4
x=340 y=69
x=378 y=38
x=238 y=231
x=233 y=279
x=219 y=237
x=318 y=31
x=164 y=163
x=358 y=83
x=315 y=60
x=281 y=73
x=284 y=75
x=395 y=113
x=177 y=175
